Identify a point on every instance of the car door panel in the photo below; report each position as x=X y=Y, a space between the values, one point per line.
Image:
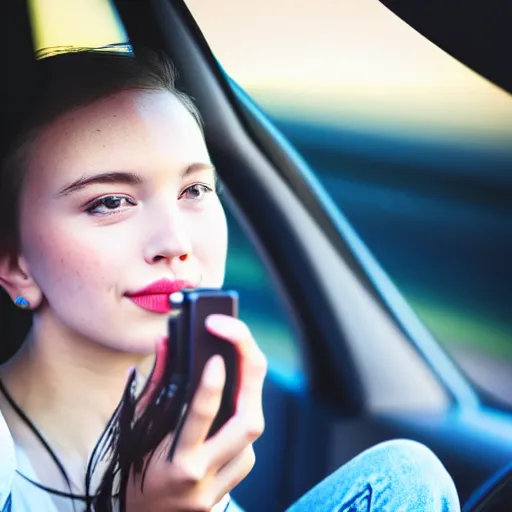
x=305 y=441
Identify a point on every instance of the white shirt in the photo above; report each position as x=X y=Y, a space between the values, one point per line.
x=27 y=497
x=7 y=462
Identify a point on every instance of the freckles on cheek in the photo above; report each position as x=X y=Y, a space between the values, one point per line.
x=58 y=260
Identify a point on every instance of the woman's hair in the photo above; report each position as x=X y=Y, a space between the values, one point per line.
x=64 y=83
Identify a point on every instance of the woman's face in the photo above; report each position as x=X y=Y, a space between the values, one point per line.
x=120 y=195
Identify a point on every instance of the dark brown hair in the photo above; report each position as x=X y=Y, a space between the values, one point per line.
x=63 y=83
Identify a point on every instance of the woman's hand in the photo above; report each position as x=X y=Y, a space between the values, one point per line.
x=204 y=470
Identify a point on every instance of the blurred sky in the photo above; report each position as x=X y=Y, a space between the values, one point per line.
x=80 y=23
x=348 y=62
x=351 y=61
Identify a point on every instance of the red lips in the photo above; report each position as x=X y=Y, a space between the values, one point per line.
x=155 y=297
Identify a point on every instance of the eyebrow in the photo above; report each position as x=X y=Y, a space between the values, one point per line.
x=107 y=177
x=197 y=167
x=127 y=178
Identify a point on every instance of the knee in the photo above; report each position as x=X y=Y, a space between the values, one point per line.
x=393 y=476
x=407 y=473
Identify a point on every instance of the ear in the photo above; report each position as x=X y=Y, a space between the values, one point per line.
x=15 y=279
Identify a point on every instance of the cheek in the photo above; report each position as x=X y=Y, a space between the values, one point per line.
x=210 y=242
x=64 y=265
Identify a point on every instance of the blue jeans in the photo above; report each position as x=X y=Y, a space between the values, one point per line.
x=7 y=505
x=395 y=476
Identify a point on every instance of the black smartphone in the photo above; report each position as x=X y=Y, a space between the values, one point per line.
x=191 y=345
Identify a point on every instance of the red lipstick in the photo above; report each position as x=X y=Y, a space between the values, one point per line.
x=155 y=297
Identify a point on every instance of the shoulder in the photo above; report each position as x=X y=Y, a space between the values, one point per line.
x=15 y=493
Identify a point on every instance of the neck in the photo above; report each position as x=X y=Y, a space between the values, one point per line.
x=69 y=388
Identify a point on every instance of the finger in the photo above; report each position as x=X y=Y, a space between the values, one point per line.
x=147 y=393
x=253 y=364
x=204 y=407
x=234 y=471
x=233 y=438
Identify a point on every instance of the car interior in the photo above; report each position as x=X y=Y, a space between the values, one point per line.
x=365 y=367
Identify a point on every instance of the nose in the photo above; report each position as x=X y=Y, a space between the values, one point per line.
x=168 y=237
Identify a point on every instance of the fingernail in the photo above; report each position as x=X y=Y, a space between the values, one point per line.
x=215 y=321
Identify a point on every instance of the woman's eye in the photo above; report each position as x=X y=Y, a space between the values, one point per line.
x=196 y=192
x=109 y=204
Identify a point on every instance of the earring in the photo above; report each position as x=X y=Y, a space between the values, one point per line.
x=21 y=302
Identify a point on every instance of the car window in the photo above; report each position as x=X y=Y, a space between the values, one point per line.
x=415 y=148
x=261 y=306
x=58 y=28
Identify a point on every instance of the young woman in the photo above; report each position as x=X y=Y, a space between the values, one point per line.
x=109 y=203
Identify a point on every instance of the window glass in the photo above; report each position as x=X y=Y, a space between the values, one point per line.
x=260 y=304
x=60 y=26
x=414 y=147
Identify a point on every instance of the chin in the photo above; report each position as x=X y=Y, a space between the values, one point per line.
x=139 y=347
x=140 y=335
